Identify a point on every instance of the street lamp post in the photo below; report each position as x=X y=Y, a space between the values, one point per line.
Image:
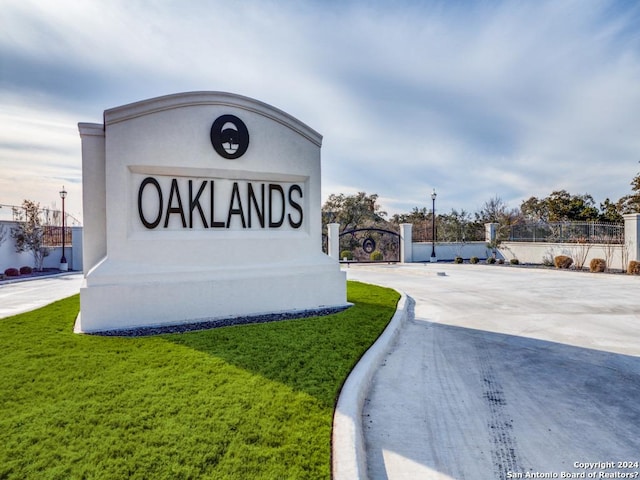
x=433 y=227
x=64 y=266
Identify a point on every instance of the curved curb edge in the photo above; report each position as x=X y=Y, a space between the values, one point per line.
x=348 y=459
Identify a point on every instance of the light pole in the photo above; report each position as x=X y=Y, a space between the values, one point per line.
x=63 y=261
x=433 y=227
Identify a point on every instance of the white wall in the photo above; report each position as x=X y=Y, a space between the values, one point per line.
x=9 y=258
x=449 y=251
x=533 y=252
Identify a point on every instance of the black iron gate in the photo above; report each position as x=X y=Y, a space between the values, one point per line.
x=370 y=245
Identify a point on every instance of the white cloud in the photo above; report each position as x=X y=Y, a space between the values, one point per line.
x=500 y=98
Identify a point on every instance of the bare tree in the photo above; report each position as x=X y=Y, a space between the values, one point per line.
x=580 y=254
x=28 y=234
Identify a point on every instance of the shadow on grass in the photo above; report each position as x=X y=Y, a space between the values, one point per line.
x=313 y=355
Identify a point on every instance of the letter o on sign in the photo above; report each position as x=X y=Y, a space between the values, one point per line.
x=156 y=221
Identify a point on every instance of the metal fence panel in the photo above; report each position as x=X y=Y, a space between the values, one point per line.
x=568 y=232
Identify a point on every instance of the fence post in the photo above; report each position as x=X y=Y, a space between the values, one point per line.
x=406 y=243
x=632 y=236
x=333 y=240
x=490 y=231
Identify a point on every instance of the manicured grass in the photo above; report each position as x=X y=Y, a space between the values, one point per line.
x=247 y=402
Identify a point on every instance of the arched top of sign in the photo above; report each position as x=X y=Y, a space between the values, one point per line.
x=189 y=99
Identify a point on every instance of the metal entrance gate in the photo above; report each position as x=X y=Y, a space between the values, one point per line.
x=370 y=245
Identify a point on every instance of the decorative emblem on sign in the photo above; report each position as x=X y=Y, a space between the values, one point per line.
x=229 y=136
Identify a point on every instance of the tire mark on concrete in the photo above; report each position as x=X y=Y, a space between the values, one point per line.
x=504 y=451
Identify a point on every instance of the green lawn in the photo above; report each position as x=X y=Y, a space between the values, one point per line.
x=246 y=402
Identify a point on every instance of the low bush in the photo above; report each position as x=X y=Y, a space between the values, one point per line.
x=501 y=261
x=376 y=256
x=562 y=261
x=458 y=260
x=474 y=259
x=12 y=272
x=634 y=268
x=514 y=261
x=26 y=270
x=491 y=260
x=597 y=265
x=346 y=254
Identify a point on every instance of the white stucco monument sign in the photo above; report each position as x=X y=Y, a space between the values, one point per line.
x=200 y=206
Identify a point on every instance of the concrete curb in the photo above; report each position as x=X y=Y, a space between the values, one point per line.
x=349 y=460
x=8 y=281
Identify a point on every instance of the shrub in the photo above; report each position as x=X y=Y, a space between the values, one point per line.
x=25 y=270
x=474 y=259
x=634 y=268
x=501 y=261
x=562 y=261
x=597 y=265
x=12 y=272
x=346 y=254
x=376 y=256
x=458 y=260
x=491 y=260
x=514 y=261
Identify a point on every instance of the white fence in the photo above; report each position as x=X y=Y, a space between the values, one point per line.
x=9 y=258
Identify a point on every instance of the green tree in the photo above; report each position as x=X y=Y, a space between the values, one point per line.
x=353 y=211
x=610 y=212
x=458 y=226
x=417 y=215
x=560 y=206
x=29 y=233
x=631 y=203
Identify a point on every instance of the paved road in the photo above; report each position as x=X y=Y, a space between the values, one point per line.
x=24 y=296
x=503 y=371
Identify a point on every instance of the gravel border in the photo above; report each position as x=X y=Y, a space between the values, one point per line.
x=220 y=322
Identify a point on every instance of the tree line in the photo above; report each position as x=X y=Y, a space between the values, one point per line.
x=362 y=210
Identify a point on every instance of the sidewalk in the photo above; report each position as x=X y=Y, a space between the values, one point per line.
x=22 y=296
x=501 y=371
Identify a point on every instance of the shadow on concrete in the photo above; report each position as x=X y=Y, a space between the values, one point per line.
x=453 y=402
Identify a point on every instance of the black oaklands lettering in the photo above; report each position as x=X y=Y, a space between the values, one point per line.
x=295 y=205
x=195 y=203
x=284 y=202
x=273 y=187
x=145 y=222
x=235 y=195
x=178 y=209
x=253 y=201
x=213 y=223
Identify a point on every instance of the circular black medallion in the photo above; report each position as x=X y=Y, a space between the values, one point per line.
x=229 y=136
x=369 y=245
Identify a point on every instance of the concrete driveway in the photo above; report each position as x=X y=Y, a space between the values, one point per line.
x=23 y=296
x=504 y=372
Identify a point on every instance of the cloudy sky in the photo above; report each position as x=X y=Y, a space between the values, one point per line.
x=474 y=99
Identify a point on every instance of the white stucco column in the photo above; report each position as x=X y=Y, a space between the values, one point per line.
x=406 y=243
x=490 y=231
x=632 y=235
x=94 y=238
x=333 y=235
